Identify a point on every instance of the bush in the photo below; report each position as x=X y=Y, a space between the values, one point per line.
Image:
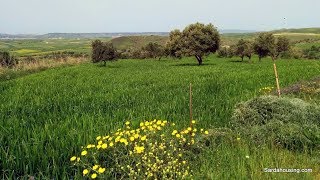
x=6 y=60
x=287 y=122
x=312 y=53
x=152 y=150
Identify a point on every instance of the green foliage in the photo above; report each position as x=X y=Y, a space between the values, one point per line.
x=288 y=122
x=244 y=48
x=195 y=40
x=263 y=44
x=174 y=45
x=152 y=149
x=45 y=117
x=226 y=52
x=103 y=51
x=6 y=60
x=153 y=50
x=312 y=53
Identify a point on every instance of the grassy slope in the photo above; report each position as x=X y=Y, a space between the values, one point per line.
x=46 y=117
x=41 y=47
x=137 y=41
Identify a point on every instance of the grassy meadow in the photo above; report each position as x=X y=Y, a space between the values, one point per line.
x=47 y=116
x=39 y=47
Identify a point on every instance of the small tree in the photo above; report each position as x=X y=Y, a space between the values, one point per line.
x=244 y=48
x=103 y=52
x=153 y=50
x=262 y=44
x=6 y=60
x=195 y=40
x=200 y=40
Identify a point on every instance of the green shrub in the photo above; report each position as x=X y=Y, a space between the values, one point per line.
x=287 y=122
x=6 y=60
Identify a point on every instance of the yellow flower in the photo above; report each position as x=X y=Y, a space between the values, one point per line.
x=131 y=138
x=94 y=175
x=184 y=162
x=111 y=144
x=136 y=136
x=104 y=146
x=78 y=159
x=238 y=139
x=193 y=121
x=174 y=132
x=139 y=149
x=206 y=132
x=73 y=158
x=100 y=142
x=83 y=153
x=85 y=172
x=143 y=138
x=127 y=123
x=178 y=135
x=189 y=129
x=101 y=170
x=141 y=124
x=98 y=138
x=95 y=167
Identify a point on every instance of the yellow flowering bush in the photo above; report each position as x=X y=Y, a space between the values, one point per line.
x=152 y=150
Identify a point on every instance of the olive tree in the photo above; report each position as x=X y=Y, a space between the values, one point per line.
x=196 y=40
x=244 y=48
x=103 y=52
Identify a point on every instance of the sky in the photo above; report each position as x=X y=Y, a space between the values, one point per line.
x=95 y=16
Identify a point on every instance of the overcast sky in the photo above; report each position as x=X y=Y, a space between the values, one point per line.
x=44 y=16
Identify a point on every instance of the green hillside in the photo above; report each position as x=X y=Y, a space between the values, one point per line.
x=46 y=117
x=300 y=30
x=125 y=42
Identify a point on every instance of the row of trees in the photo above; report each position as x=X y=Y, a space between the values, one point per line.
x=196 y=40
x=199 y=40
x=266 y=44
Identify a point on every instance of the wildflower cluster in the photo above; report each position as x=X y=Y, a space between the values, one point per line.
x=153 y=150
x=266 y=90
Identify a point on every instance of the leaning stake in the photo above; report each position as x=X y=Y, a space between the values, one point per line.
x=190 y=105
x=277 y=78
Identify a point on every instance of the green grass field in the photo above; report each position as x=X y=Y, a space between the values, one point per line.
x=47 y=116
x=37 y=47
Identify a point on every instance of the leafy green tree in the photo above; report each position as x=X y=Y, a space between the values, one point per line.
x=195 y=40
x=262 y=44
x=174 y=45
x=282 y=46
x=200 y=40
x=244 y=48
x=103 y=52
x=153 y=50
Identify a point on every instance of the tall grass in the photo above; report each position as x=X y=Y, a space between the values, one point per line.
x=45 y=117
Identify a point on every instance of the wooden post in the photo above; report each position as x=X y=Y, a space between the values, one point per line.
x=277 y=78
x=190 y=105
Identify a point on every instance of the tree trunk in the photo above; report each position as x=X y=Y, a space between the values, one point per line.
x=249 y=56
x=199 y=58
x=105 y=63
x=260 y=58
x=242 y=58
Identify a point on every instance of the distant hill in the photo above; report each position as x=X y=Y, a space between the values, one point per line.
x=235 y=31
x=79 y=35
x=300 y=30
x=125 y=42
